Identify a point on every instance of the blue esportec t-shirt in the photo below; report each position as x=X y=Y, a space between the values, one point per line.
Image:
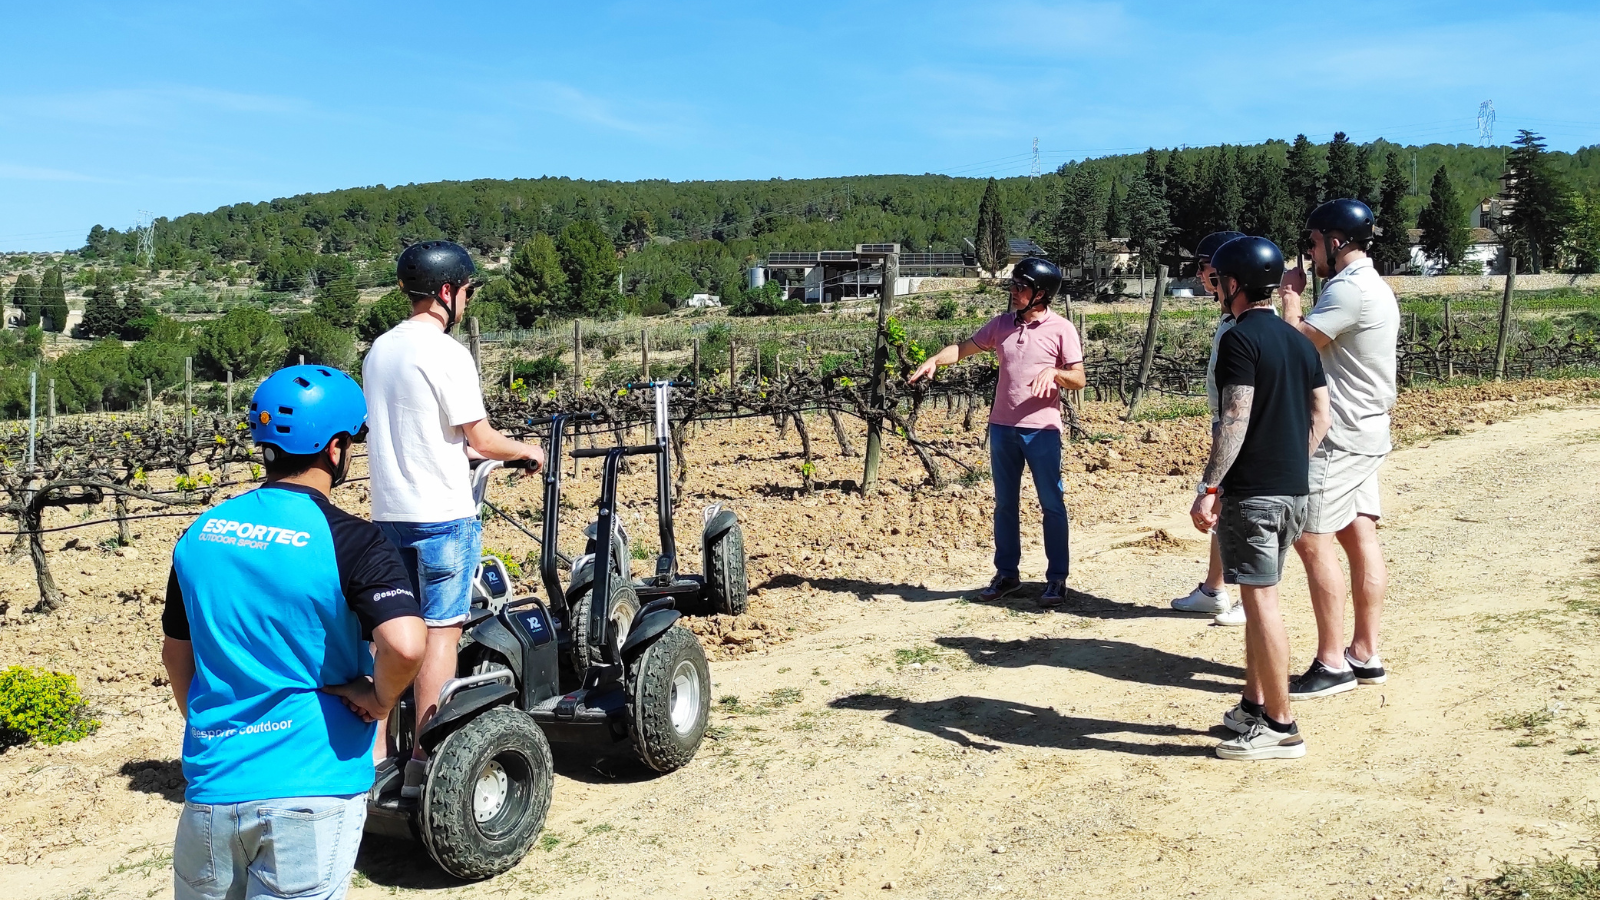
x=277 y=589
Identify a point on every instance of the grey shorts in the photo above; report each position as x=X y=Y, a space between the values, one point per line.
x=1254 y=535
x=1343 y=485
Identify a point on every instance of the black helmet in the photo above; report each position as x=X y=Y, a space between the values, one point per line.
x=1042 y=275
x=1208 y=245
x=1254 y=262
x=1350 y=218
x=426 y=266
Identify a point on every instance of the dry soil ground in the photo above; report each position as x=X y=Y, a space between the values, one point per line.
x=876 y=734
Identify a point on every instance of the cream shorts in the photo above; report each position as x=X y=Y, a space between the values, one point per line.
x=1343 y=485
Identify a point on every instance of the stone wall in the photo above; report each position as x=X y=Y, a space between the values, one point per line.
x=1404 y=285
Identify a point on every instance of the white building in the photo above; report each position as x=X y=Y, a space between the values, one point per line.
x=1483 y=248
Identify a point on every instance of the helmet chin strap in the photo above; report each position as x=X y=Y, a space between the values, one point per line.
x=1033 y=302
x=449 y=310
x=342 y=470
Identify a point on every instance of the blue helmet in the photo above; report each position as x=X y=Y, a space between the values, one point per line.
x=301 y=408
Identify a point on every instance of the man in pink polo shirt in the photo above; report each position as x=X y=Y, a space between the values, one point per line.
x=1040 y=356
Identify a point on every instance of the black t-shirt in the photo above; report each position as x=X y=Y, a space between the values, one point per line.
x=1267 y=353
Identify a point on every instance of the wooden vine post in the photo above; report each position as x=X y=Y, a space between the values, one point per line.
x=1150 y=333
x=880 y=375
x=475 y=343
x=1505 y=320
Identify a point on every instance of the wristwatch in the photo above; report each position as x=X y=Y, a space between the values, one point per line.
x=1203 y=488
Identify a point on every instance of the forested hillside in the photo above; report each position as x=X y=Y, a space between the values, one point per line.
x=699 y=235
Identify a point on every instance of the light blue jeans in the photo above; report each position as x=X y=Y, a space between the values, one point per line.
x=441 y=558
x=300 y=847
x=1040 y=449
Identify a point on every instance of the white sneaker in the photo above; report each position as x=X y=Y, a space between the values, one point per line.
x=1263 y=741
x=1234 y=616
x=1198 y=601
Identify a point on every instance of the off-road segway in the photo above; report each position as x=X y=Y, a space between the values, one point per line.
x=488 y=783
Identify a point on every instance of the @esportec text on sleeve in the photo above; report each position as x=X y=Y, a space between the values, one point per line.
x=277 y=590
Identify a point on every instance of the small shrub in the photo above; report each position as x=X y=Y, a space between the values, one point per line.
x=42 y=707
x=947 y=308
x=544 y=370
x=513 y=568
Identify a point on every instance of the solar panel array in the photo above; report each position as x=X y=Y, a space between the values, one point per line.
x=877 y=249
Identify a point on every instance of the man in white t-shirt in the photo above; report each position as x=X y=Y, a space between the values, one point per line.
x=1355 y=324
x=425 y=416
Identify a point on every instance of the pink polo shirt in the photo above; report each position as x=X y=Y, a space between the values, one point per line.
x=1024 y=351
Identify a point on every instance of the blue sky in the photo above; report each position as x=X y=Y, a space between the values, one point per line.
x=110 y=109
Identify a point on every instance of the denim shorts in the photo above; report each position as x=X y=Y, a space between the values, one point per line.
x=301 y=847
x=1254 y=535
x=441 y=558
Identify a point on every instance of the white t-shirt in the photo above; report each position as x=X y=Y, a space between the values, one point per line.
x=421 y=387
x=1358 y=312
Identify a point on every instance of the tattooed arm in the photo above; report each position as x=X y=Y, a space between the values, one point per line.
x=1236 y=401
x=1227 y=438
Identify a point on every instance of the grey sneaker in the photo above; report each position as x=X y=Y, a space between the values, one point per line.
x=1055 y=594
x=1239 y=720
x=999 y=586
x=1263 y=741
x=416 y=774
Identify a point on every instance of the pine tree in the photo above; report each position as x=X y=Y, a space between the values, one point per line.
x=537 y=284
x=1344 y=178
x=338 y=302
x=1223 y=200
x=1116 y=221
x=1268 y=210
x=25 y=298
x=1445 y=234
x=1182 y=196
x=1540 y=209
x=135 y=316
x=993 y=250
x=1149 y=222
x=53 y=301
x=589 y=260
x=1079 y=218
x=1365 y=187
x=1392 y=247
x=1302 y=177
x=102 y=315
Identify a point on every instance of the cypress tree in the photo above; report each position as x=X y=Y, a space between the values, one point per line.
x=536 y=283
x=993 y=251
x=1302 y=177
x=53 y=300
x=1149 y=222
x=1365 y=188
x=1224 y=196
x=1182 y=195
x=133 y=324
x=25 y=297
x=1392 y=248
x=1445 y=234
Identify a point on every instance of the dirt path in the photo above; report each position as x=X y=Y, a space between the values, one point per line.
x=954 y=750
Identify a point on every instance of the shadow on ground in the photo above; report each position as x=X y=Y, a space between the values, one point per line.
x=163 y=777
x=983 y=723
x=1025 y=599
x=399 y=863
x=1121 y=660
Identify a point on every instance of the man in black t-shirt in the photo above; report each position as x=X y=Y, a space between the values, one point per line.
x=1274 y=400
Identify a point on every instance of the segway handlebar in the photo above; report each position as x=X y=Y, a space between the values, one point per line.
x=635 y=385
x=596 y=452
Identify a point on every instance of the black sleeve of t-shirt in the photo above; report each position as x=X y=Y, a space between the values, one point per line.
x=174 y=618
x=1319 y=378
x=1236 y=360
x=374 y=580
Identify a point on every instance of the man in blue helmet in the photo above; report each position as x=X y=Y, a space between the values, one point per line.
x=1040 y=356
x=427 y=410
x=271 y=601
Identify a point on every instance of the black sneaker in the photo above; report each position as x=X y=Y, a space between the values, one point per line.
x=1321 y=681
x=1369 y=672
x=999 y=586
